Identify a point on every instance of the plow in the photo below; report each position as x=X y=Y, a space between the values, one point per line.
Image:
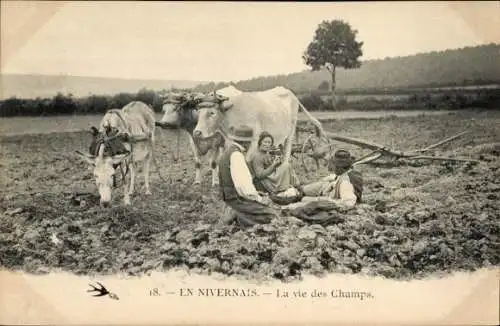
x=319 y=145
x=318 y=148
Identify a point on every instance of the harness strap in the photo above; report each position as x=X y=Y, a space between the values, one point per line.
x=122 y=172
x=118 y=113
x=104 y=140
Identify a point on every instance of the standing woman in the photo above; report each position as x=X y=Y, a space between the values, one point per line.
x=269 y=176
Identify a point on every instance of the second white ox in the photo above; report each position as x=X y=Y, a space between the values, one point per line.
x=133 y=128
x=274 y=110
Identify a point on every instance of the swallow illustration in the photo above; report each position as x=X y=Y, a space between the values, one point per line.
x=102 y=291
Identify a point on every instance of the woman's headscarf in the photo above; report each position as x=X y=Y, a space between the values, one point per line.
x=264 y=135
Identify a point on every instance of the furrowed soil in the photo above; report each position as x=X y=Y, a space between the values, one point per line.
x=418 y=218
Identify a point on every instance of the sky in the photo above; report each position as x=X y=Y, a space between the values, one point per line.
x=221 y=41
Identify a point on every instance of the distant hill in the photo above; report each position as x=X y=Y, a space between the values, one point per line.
x=458 y=67
x=32 y=86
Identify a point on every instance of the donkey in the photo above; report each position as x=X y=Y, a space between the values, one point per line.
x=125 y=137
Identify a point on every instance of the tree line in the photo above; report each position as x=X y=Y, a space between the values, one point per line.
x=454 y=99
x=62 y=104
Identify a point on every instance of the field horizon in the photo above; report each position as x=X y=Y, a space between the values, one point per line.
x=29 y=125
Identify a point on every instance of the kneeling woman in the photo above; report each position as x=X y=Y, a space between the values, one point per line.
x=269 y=176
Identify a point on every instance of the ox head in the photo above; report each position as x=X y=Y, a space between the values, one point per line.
x=174 y=107
x=105 y=163
x=210 y=112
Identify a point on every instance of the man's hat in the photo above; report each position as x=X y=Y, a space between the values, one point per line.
x=342 y=158
x=243 y=133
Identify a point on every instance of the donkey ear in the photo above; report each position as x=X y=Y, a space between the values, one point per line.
x=108 y=129
x=90 y=159
x=94 y=131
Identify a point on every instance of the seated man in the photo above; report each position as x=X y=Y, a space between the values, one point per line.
x=344 y=186
x=235 y=181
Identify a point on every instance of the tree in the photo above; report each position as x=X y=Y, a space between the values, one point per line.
x=334 y=45
x=146 y=96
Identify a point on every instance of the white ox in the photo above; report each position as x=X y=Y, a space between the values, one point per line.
x=274 y=110
x=134 y=126
x=179 y=112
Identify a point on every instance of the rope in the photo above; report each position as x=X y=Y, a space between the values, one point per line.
x=320 y=133
x=155 y=161
x=124 y=174
x=176 y=159
x=158 y=169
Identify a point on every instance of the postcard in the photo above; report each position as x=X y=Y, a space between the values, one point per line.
x=249 y=163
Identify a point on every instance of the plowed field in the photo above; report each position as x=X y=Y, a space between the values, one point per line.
x=419 y=218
